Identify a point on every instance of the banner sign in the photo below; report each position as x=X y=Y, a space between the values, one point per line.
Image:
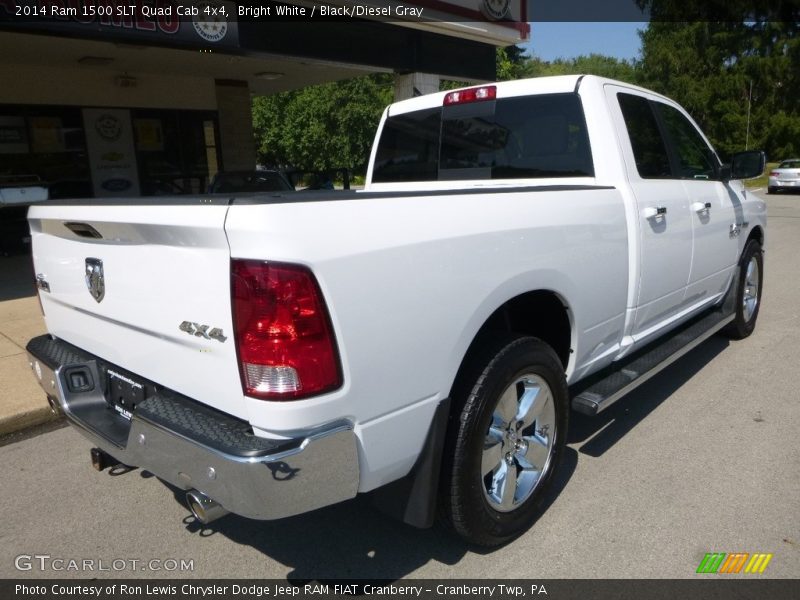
x=194 y=23
x=112 y=158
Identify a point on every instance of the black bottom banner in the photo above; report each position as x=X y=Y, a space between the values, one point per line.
x=426 y=589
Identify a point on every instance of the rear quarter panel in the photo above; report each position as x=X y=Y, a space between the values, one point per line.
x=410 y=280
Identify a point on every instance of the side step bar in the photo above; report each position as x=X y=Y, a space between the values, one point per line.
x=634 y=371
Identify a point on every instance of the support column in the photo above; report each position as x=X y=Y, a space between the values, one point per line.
x=235 y=125
x=410 y=85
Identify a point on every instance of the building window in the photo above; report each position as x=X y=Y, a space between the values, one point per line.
x=176 y=151
x=47 y=144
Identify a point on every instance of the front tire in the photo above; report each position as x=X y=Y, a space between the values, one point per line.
x=505 y=443
x=747 y=297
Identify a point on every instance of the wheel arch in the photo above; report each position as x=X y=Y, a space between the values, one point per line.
x=413 y=498
x=541 y=313
x=757 y=234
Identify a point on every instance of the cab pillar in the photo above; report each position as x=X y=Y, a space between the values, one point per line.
x=410 y=85
x=235 y=125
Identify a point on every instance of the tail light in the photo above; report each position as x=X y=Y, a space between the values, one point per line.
x=478 y=94
x=284 y=337
x=774 y=174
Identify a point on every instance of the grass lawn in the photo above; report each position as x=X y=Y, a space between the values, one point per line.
x=761 y=181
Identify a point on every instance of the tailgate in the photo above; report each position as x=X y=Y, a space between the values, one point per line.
x=133 y=284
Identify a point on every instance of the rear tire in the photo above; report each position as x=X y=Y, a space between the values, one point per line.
x=505 y=439
x=772 y=190
x=747 y=297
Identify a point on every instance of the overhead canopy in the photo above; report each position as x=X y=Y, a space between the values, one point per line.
x=275 y=54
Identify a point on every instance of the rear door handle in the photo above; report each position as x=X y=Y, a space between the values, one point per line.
x=699 y=207
x=654 y=212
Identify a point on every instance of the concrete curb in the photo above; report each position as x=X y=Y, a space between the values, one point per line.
x=26 y=419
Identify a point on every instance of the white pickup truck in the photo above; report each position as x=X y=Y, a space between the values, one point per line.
x=521 y=250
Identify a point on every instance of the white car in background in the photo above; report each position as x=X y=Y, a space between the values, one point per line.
x=17 y=193
x=785 y=176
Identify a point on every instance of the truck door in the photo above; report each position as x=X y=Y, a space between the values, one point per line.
x=664 y=218
x=713 y=206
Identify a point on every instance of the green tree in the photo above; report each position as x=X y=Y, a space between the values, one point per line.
x=511 y=63
x=710 y=67
x=592 y=64
x=322 y=127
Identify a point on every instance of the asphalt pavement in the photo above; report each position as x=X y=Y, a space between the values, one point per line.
x=702 y=458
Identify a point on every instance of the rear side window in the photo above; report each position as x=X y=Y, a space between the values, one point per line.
x=649 y=149
x=525 y=137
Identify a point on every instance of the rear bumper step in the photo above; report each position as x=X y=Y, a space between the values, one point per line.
x=195 y=447
x=633 y=372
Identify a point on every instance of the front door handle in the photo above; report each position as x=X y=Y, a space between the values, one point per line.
x=654 y=212
x=700 y=207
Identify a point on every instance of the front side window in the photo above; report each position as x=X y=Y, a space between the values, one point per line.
x=695 y=160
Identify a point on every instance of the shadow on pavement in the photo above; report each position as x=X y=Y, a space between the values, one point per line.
x=606 y=429
x=353 y=539
x=16 y=277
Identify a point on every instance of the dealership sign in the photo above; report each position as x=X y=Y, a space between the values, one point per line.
x=112 y=158
x=208 y=22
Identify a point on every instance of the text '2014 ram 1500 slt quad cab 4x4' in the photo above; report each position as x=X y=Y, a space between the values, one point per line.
x=521 y=250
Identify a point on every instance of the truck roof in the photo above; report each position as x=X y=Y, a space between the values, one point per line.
x=558 y=84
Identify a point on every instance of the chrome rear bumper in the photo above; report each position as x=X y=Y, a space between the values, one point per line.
x=194 y=447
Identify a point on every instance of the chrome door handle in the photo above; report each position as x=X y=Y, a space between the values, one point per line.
x=701 y=207
x=654 y=212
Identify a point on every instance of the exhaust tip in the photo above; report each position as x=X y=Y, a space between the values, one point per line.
x=203 y=508
x=55 y=408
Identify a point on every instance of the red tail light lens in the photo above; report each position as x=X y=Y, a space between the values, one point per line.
x=284 y=337
x=774 y=174
x=479 y=94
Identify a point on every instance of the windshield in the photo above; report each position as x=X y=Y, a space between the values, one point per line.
x=790 y=164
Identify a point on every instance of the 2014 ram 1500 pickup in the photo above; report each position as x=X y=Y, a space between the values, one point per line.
x=521 y=250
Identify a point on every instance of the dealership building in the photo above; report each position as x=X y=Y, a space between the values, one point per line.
x=122 y=103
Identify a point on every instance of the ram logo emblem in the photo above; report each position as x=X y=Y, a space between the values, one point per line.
x=95 y=278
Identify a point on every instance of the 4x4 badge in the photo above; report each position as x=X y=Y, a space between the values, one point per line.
x=203 y=331
x=95 y=279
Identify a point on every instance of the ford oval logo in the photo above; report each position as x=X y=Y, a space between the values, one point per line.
x=95 y=278
x=115 y=185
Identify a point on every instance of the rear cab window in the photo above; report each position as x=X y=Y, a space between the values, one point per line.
x=538 y=136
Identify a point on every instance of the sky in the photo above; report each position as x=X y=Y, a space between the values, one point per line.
x=567 y=40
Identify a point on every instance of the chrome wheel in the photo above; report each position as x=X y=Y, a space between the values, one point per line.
x=750 y=295
x=505 y=443
x=518 y=447
x=749 y=287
